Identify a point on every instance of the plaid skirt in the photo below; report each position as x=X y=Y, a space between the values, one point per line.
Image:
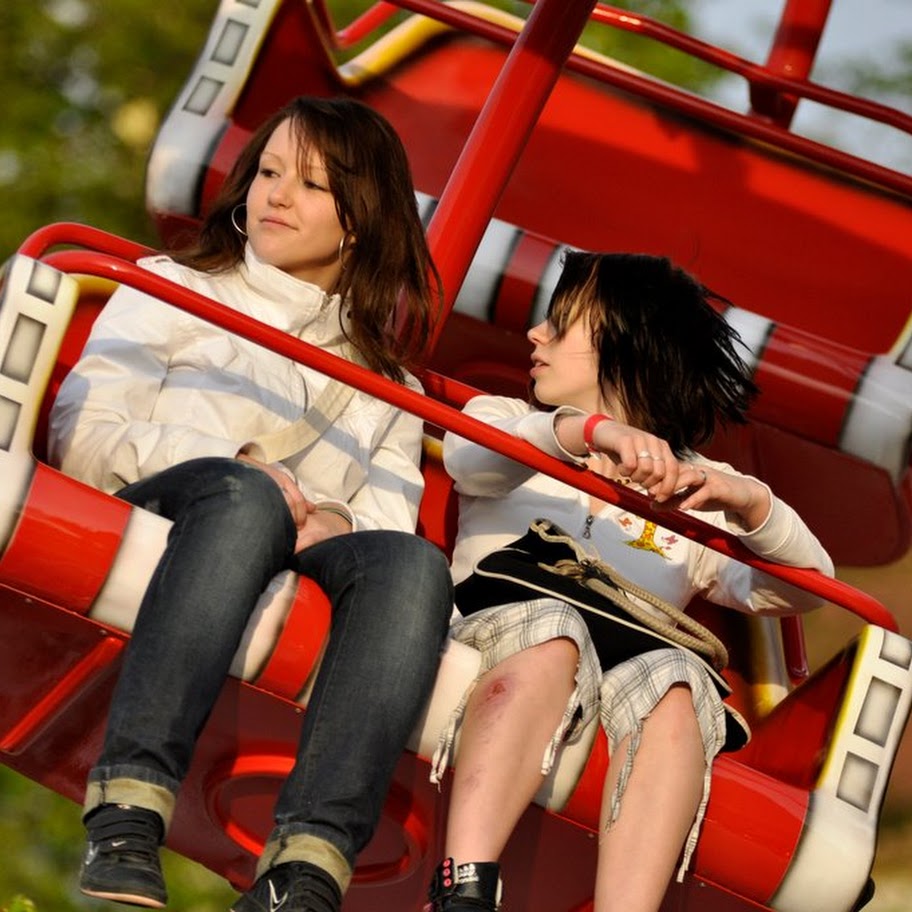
x=623 y=697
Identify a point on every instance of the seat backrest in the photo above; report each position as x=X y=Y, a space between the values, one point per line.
x=93 y=294
x=757 y=675
x=438 y=515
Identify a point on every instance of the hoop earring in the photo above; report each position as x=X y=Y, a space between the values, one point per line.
x=237 y=227
x=342 y=241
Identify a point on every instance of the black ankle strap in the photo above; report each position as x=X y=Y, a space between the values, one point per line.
x=471 y=885
x=112 y=821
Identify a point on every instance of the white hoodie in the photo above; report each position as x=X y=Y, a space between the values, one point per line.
x=500 y=497
x=156 y=386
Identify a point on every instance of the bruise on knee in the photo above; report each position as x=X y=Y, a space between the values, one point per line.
x=494 y=693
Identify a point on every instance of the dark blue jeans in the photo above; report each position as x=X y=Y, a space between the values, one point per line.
x=391 y=601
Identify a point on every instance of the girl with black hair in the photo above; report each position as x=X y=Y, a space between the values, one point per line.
x=632 y=370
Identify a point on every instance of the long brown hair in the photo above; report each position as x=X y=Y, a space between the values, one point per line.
x=389 y=281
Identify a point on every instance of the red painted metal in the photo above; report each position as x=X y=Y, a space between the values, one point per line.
x=300 y=643
x=40 y=716
x=252 y=771
x=360 y=28
x=52 y=551
x=702 y=110
x=792 y=54
x=776 y=811
x=832 y=371
x=520 y=281
x=498 y=138
x=43 y=239
x=789 y=741
x=794 y=648
x=445 y=416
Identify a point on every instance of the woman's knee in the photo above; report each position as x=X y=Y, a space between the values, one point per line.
x=403 y=581
x=552 y=664
x=546 y=670
x=418 y=553
x=246 y=495
x=676 y=705
x=242 y=501
x=245 y=484
x=408 y=569
x=561 y=653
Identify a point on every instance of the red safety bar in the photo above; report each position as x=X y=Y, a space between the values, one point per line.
x=58 y=234
x=447 y=417
x=792 y=54
x=498 y=138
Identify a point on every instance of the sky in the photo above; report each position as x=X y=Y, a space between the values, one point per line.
x=856 y=30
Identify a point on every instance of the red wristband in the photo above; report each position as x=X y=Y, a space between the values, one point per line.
x=589 y=429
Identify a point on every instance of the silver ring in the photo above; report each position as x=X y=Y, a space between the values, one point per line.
x=705 y=478
x=658 y=459
x=644 y=454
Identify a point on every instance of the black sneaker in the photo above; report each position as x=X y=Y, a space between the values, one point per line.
x=471 y=887
x=121 y=861
x=296 y=886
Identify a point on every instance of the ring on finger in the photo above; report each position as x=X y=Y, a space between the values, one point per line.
x=645 y=454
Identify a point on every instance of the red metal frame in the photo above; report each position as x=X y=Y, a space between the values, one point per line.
x=39 y=242
x=447 y=417
x=781 y=77
x=245 y=748
x=792 y=54
x=497 y=140
x=544 y=47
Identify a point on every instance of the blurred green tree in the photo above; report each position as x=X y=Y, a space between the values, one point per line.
x=85 y=85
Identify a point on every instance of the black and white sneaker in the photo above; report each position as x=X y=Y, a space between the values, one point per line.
x=296 y=886
x=121 y=861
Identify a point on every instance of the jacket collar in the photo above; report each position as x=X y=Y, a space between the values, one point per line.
x=295 y=305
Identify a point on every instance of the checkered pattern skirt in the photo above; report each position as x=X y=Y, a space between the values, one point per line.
x=623 y=696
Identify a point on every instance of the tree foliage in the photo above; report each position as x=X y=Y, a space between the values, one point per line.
x=891 y=81
x=86 y=84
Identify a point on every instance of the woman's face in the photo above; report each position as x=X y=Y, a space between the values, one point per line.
x=565 y=370
x=291 y=217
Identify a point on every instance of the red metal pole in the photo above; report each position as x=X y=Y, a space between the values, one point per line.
x=498 y=138
x=792 y=54
x=449 y=418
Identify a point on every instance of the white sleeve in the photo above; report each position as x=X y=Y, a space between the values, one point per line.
x=480 y=472
x=784 y=538
x=102 y=429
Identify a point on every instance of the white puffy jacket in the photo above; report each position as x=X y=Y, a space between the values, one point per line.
x=156 y=386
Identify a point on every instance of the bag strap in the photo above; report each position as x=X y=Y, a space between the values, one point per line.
x=299 y=435
x=592 y=572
